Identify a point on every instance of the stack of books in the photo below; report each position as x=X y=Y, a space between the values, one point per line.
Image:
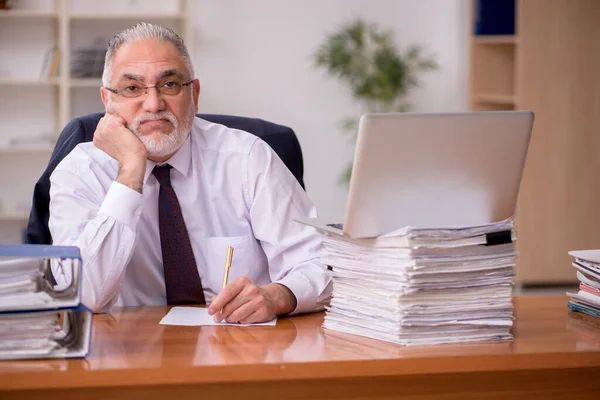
x=587 y=299
x=423 y=286
x=38 y=317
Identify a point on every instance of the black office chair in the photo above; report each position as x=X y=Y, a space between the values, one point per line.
x=281 y=138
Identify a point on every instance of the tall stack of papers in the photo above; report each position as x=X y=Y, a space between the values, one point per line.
x=587 y=299
x=38 y=318
x=423 y=286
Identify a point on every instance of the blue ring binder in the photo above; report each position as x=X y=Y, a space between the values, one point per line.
x=38 y=317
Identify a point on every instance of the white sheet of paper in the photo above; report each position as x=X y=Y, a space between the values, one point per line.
x=194 y=316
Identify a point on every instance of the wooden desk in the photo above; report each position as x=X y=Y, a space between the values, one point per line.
x=556 y=355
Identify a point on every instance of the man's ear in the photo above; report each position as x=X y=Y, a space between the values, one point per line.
x=196 y=92
x=104 y=96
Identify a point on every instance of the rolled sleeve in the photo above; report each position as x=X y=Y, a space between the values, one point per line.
x=122 y=204
x=293 y=250
x=91 y=211
x=302 y=288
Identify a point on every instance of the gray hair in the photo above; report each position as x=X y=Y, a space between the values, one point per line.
x=141 y=31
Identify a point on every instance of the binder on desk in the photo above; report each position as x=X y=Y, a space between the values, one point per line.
x=40 y=318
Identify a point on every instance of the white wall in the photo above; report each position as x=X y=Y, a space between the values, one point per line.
x=253 y=58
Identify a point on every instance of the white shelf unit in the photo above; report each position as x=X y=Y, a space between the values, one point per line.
x=8 y=82
x=12 y=14
x=14 y=215
x=38 y=149
x=85 y=82
x=142 y=16
x=35 y=106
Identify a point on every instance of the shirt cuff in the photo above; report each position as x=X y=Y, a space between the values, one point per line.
x=302 y=288
x=123 y=204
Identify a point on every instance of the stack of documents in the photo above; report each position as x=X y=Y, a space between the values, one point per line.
x=587 y=299
x=38 y=318
x=423 y=286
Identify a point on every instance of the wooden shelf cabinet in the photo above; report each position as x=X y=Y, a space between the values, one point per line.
x=550 y=66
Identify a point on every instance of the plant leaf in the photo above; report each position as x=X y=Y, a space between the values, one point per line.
x=349 y=124
x=378 y=74
x=344 y=178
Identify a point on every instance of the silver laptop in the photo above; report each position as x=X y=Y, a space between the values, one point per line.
x=435 y=170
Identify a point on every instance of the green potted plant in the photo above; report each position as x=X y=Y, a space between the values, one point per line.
x=379 y=75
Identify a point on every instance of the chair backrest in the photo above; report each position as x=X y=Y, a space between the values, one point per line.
x=282 y=139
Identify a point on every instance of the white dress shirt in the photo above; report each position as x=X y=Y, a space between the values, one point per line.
x=233 y=190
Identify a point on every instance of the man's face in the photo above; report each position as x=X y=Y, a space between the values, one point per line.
x=162 y=122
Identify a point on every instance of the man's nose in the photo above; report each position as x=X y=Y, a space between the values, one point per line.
x=154 y=101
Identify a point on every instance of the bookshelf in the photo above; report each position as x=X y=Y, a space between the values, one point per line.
x=30 y=14
x=14 y=215
x=549 y=65
x=36 y=104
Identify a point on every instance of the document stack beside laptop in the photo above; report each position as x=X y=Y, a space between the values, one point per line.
x=426 y=252
x=38 y=317
x=423 y=286
x=587 y=299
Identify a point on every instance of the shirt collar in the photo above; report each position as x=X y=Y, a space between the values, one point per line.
x=180 y=161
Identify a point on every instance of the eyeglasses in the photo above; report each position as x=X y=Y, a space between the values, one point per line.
x=169 y=88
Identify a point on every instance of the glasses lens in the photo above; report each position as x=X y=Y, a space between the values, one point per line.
x=130 y=91
x=170 y=88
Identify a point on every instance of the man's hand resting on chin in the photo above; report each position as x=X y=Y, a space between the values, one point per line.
x=113 y=137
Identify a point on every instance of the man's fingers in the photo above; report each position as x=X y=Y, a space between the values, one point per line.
x=256 y=317
x=227 y=294
x=242 y=301
x=242 y=312
x=248 y=293
x=112 y=114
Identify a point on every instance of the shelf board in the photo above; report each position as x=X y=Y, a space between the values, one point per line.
x=85 y=82
x=28 y=82
x=14 y=215
x=27 y=14
x=495 y=39
x=125 y=17
x=488 y=98
x=27 y=150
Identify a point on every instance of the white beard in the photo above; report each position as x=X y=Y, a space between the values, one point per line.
x=158 y=144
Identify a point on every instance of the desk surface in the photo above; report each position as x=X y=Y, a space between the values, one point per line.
x=129 y=347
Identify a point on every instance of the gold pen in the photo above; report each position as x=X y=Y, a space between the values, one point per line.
x=227 y=266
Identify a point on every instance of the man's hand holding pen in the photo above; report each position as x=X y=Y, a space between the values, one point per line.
x=245 y=302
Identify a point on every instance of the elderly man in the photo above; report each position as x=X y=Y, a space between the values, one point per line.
x=158 y=197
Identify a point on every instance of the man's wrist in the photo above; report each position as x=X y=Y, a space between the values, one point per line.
x=284 y=300
x=132 y=175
